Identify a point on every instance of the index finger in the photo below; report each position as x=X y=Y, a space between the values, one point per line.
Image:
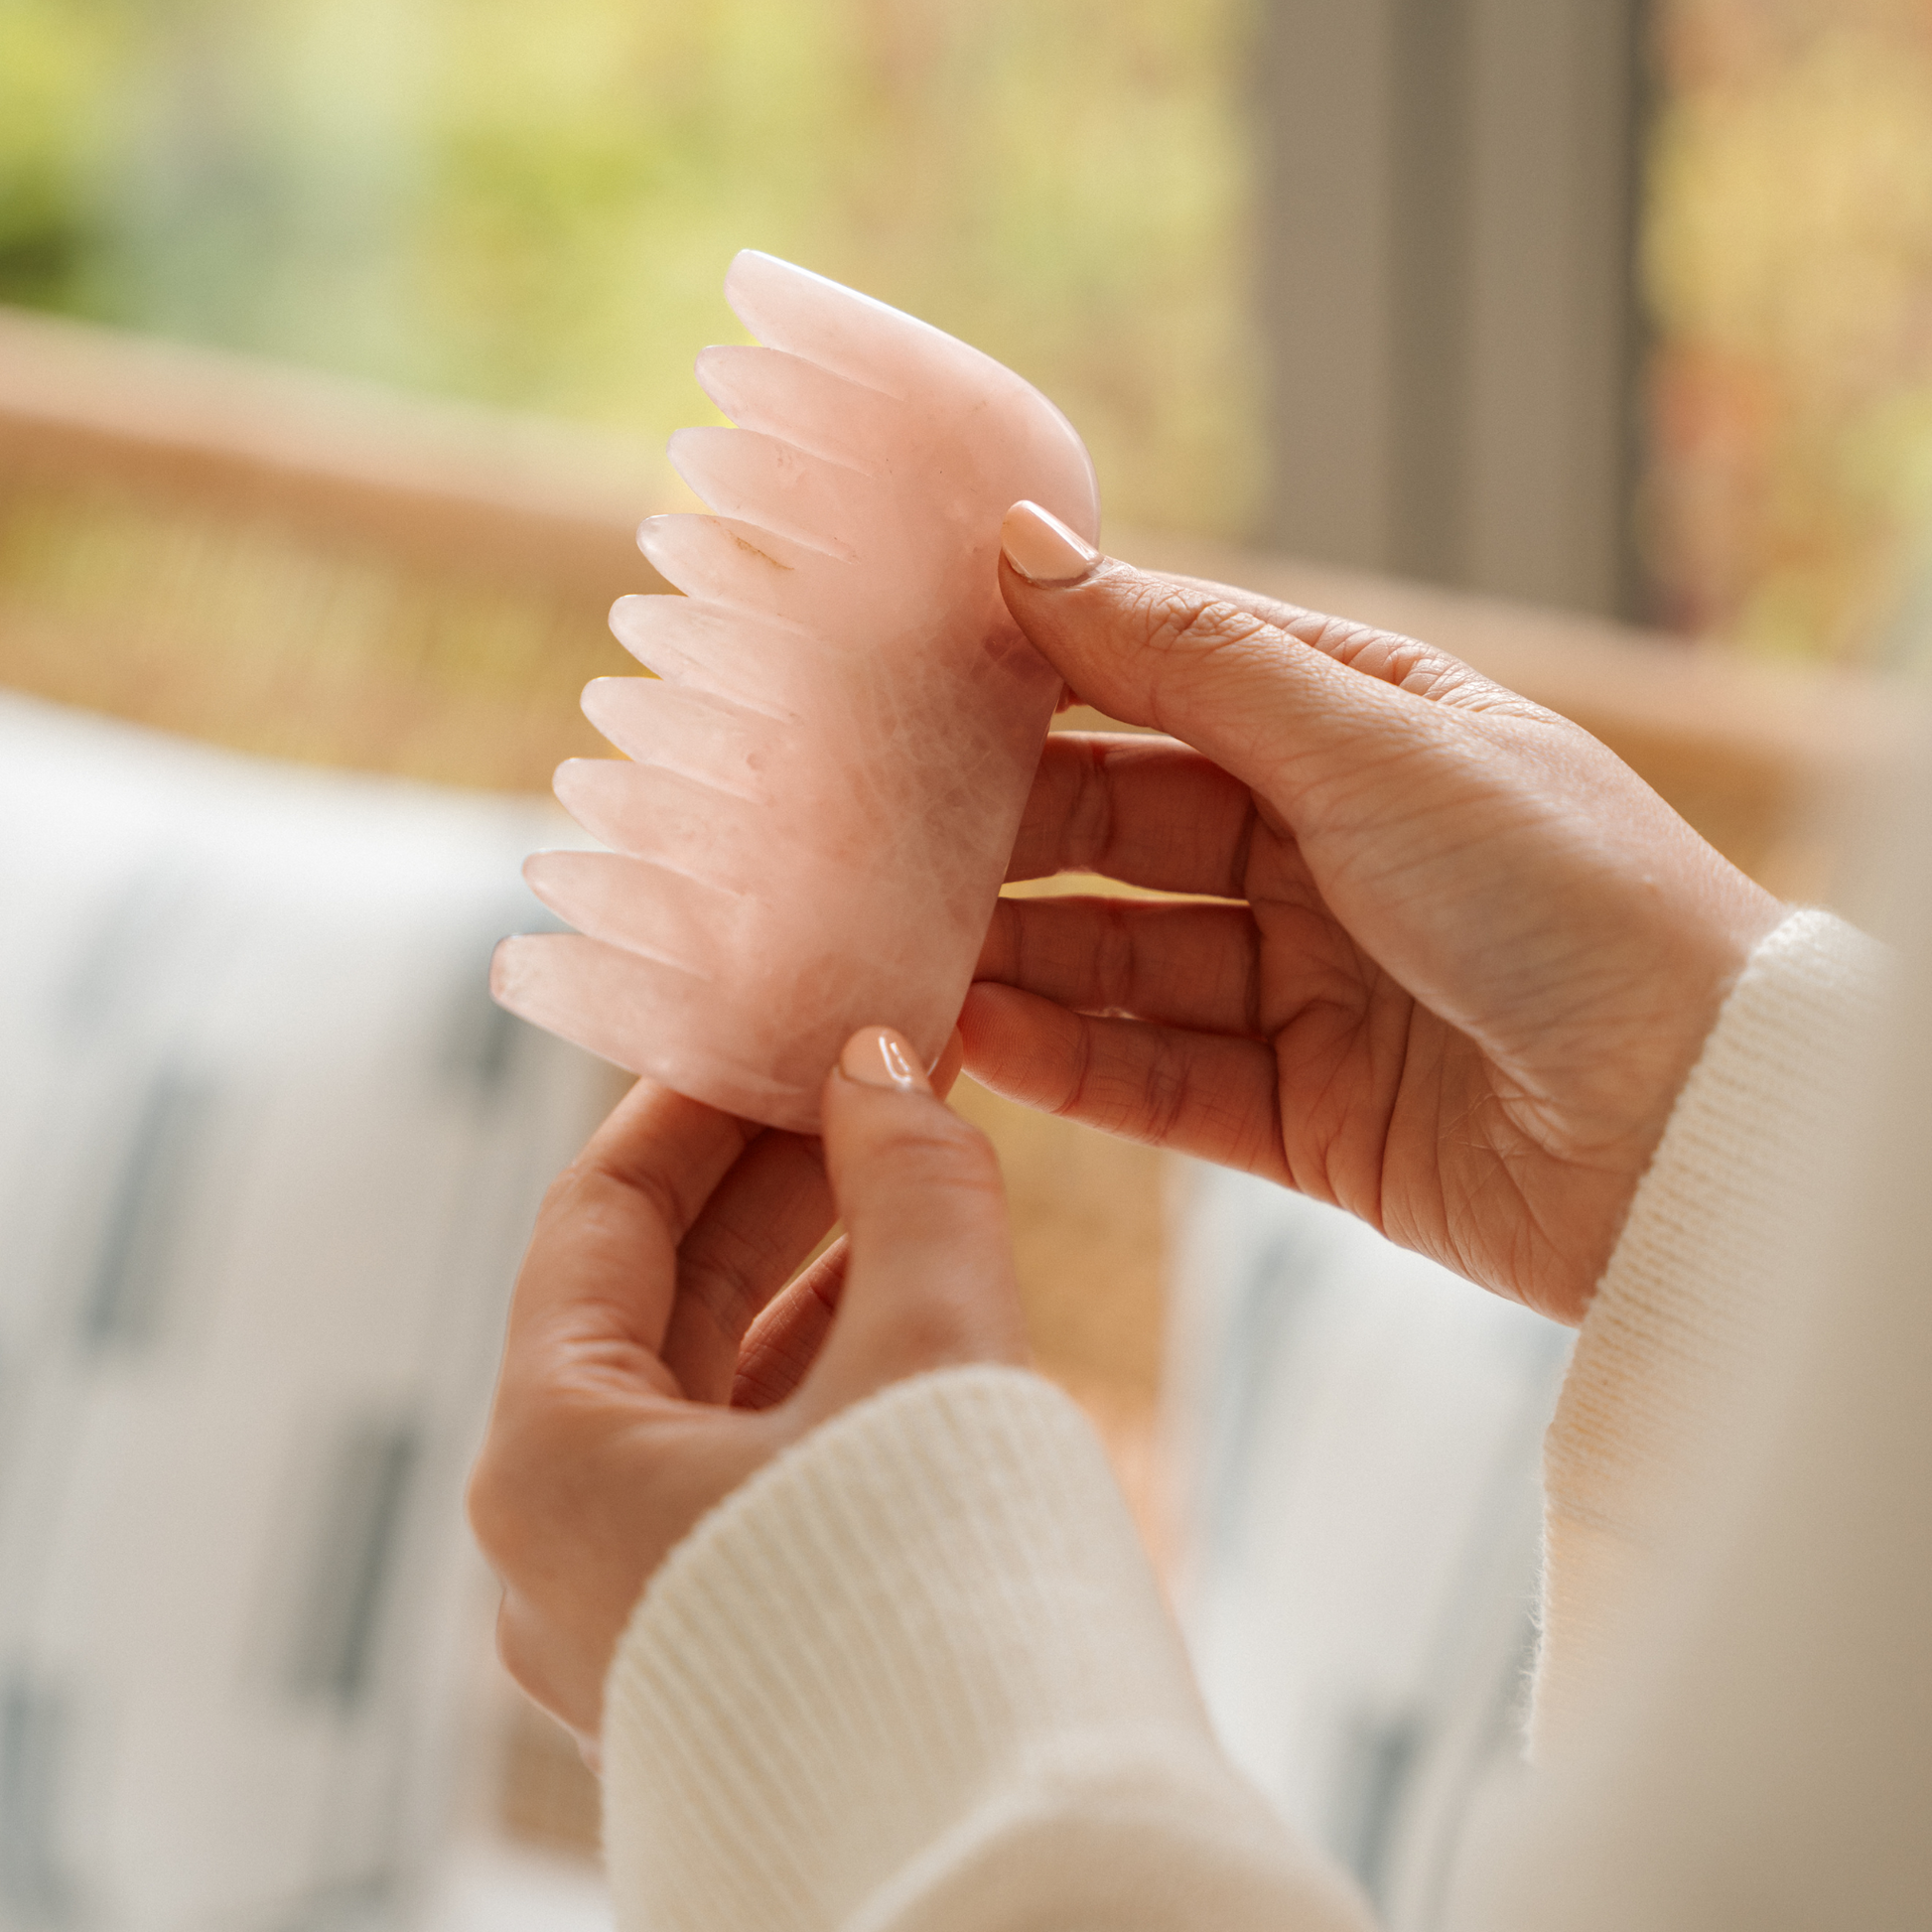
x=601 y=1271
x=1144 y=810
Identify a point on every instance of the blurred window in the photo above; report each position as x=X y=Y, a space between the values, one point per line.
x=535 y=206
x=1787 y=262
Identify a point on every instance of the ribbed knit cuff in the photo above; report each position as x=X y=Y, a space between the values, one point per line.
x=1681 y=1314
x=852 y=1695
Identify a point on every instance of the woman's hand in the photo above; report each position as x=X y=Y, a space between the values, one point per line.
x=1470 y=957
x=660 y=1349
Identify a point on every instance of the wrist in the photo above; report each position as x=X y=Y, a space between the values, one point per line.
x=1684 y=968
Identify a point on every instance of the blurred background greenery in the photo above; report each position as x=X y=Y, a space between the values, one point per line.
x=534 y=207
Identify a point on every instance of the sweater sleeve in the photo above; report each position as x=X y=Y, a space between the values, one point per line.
x=1679 y=1319
x=917 y=1675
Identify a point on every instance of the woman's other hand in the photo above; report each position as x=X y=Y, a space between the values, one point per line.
x=1467 y=956
x=661 y=1349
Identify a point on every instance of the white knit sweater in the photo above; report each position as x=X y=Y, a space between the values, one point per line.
x=916 y=1675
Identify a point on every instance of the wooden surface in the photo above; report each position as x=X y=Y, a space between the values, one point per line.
x=302 y=567
x=307 y=569
x=310 y=568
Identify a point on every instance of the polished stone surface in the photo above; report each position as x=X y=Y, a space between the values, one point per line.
x=818 y=798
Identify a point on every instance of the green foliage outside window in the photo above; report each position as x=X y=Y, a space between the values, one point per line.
x=535 y=206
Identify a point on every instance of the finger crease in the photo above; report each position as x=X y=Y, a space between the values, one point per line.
x=1096 y=812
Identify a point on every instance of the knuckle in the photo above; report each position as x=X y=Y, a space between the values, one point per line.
x=1196 y=648
x=512 y=1493
x=1091 y=819
x=520 y=1649
x=940 y=1152
x=560 y=1196
x=1116 y=962
x=945 y=1158
x=1167 y=1090
x=1180 y=619
x=599 y=1181
x=1343 y=638
x=931 y=1331
x=495 y=1511
x=727 y=1277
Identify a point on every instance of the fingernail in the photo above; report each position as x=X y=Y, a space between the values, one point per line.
x=1041 y=548
x=876 y=1056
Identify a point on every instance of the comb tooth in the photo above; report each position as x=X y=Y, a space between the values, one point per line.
x=863 y=340
x=703 y=736
x=700 y=647
x=636 y=1013
x=645 y=908
x=758 y=480
x=742 y=566
x=799 y=402
x=852 y=335
x=621 y=1005
x=672 y=820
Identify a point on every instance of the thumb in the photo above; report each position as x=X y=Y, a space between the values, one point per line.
x=930 y=1281
x=1264 y=704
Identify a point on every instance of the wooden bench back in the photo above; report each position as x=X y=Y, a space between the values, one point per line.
x=296 y=565
x=302 y=567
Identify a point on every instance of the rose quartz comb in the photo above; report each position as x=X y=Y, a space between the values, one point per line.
x=821 y=786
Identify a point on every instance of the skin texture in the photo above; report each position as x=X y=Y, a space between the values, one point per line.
x=1450 y=965
x=1462 y=958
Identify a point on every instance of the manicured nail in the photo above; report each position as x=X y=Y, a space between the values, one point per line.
x=876 y=1056
x=1041 y=548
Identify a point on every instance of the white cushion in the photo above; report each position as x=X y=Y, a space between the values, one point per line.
x=267 y=1159
x=1360 y=1435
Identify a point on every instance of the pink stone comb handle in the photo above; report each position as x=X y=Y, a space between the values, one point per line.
x=821 y=788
